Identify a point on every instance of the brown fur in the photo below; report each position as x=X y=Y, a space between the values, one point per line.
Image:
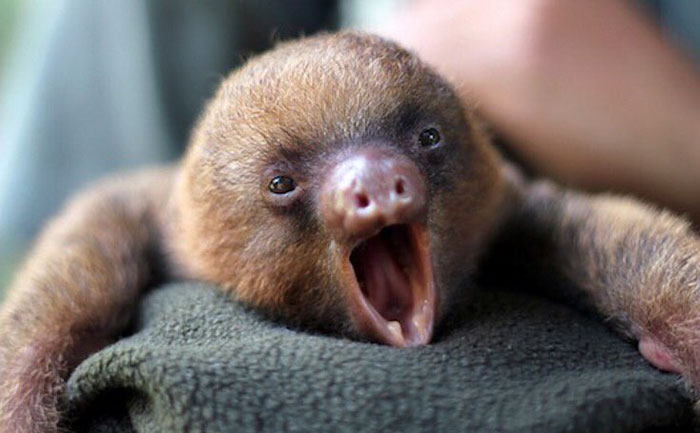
x=75 y=292
x=638 y=266
x=302 y=106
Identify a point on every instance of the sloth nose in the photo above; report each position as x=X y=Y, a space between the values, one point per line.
x=371 y=189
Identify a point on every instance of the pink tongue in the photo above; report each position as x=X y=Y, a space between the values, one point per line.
x=387 y=287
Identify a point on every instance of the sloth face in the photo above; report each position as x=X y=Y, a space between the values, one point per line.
x=337 y=183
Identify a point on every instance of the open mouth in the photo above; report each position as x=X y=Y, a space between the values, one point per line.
x=394 y=285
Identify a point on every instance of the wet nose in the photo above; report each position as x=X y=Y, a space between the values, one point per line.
x=372 y=189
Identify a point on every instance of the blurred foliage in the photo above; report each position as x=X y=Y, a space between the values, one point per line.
x=9 y=13
x=8 y=266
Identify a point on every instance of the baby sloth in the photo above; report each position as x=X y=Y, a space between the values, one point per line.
x=337 y=183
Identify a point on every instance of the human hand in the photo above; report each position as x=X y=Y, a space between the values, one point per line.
x=588 y=93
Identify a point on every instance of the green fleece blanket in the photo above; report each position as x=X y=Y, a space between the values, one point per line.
x=506 y=362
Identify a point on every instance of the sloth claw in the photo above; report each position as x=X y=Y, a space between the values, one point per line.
x=658 y=355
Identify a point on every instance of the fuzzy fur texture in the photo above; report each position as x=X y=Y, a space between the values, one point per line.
x=297 y=110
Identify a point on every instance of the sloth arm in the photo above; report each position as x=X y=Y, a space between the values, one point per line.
x=635 y=265
x=75 y=293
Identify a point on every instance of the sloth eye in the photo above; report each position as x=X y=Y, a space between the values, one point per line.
x=281 y=185
x=429 y=137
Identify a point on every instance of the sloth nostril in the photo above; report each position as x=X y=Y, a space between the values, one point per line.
x=399 y=187
x=361 y=200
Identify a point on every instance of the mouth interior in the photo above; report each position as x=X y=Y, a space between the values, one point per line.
x=393 y=272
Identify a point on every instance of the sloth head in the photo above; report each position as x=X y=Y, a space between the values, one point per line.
x=337 y=182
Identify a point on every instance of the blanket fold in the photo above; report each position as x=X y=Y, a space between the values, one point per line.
x=507 y=362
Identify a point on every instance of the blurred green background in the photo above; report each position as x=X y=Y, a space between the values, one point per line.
x=10 y=11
